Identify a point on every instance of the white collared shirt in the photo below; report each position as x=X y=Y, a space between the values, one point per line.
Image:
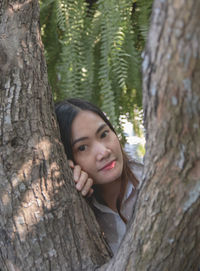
x=110 y=221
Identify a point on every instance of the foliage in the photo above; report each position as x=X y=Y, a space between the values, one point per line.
x=93 y=51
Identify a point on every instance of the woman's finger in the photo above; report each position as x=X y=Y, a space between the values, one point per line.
x=87 y=187
x=77 y=173
x=71 y=164
x=91 y=191
x=82 y=180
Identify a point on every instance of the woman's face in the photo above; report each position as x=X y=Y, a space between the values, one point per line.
x=96 y=148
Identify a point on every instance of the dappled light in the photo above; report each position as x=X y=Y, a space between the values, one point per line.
x=32 y=190
x=16 y=6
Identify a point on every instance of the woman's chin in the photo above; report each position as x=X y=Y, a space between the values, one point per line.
x=109 y=176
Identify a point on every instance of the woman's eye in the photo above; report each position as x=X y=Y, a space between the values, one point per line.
x=82 y=148
x=104 y=134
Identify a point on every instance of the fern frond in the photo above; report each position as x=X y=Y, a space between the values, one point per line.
x=94 y=51
x=61 y=9
x=145 y=8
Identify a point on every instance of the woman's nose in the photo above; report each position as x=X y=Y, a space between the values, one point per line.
x=102 y=152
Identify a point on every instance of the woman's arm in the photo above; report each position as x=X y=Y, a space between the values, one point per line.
x=83 y=182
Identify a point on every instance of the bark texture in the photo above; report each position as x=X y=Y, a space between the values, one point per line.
x=44 y=223
x=165 y=231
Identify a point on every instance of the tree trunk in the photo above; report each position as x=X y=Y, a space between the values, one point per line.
x=44 y=223
x=165 y=231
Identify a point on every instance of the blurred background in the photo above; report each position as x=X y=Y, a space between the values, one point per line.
x=93 y=51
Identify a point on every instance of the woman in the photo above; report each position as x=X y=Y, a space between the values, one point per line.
x=98 y=161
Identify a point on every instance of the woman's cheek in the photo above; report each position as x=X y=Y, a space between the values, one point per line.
x=82 y=162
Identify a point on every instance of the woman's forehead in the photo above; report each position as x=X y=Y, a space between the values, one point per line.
x=86 y=122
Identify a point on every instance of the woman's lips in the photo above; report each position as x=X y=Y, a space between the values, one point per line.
x=109 y=165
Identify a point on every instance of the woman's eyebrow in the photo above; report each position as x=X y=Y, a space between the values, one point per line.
x=102 y=126
x=79 y=139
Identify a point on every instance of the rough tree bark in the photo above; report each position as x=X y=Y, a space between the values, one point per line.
x=165 y=231
x=44 y=223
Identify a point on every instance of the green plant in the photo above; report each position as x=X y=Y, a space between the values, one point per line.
x=93 y=51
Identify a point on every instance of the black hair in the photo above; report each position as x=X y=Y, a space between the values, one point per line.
x=66 y=111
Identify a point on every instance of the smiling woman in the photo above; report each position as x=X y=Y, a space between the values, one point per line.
x=96 y=148
x=99 y=165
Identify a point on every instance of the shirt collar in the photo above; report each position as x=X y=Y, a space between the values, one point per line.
x=129 y=189
x=103 y=208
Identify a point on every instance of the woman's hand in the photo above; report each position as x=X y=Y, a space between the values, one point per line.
x=83 y=182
